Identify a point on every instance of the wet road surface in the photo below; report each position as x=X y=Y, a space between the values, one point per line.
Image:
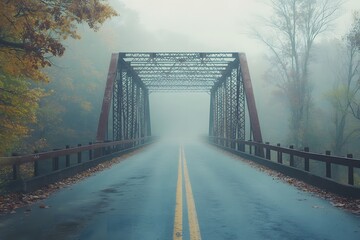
x=169 y=191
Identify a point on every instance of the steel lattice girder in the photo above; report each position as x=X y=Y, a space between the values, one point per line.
x=228 y=108
x=183 y=71
x=132 y=76
x=130 y=105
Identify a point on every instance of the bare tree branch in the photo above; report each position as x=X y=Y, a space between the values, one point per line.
x=296 y=24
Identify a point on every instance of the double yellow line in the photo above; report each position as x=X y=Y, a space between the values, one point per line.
x=192 y=216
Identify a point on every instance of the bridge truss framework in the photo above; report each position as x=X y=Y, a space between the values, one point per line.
x=133 y=76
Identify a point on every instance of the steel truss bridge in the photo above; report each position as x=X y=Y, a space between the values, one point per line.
x=132 y=76
x=124 y=123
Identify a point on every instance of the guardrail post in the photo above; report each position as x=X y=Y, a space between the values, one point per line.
x=103 y=151
x=99 y=152
x=55 y=162
x=291 y=157
x=241 y=147
x=279 y=154
x=16 y=171
x=306 y=160
x=108 y=148
x=350 y=172
x=90 y=152
x=268 y=153
x=36 y=165
x=67 y=161
x=250 y=147
x=328 y=165
x=79 y=155
x=16 y=168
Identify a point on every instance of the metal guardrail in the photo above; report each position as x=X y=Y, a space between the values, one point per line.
x=265 y=151
x=83 y=154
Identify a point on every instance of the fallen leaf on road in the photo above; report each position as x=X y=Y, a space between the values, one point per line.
x=338 y=204
x=11 y=201
x=42 y=205
x=349 y=204
x=318 y=206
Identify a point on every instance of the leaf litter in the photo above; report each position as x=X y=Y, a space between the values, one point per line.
x=10 y=202
x=349 y=204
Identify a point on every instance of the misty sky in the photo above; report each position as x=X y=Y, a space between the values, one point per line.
x=197 y=25
x=217 y=25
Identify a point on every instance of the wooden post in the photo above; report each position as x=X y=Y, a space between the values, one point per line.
x=55 y=163
x=250 y=148
x=36 y=166
x=79 y=154
x=90 y=152
x=16 y=168
x=350 y=172
x=328 y=165
x=279 y=154
x=306 y=160
x=268 y=153
x=67 y=161
x=291 y=157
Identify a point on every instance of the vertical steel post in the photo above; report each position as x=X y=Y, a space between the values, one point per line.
x=240 y=109
x=147 y=114
x=132 y=110
x=250 y=99
x=118 y=103
x=211 y=115
x=105 y=109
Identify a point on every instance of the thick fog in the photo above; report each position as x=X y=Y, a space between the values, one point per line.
x=200 y=25
x=183 y=115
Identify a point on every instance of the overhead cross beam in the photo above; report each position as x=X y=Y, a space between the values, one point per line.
x=183 y=71
x=133 y=76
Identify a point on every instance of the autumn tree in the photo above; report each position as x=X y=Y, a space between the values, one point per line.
x=290 y=35
x=31 y=33
x=18 y=104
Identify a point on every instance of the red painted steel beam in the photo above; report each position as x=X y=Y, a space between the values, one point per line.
x=105 y=109
x=250 y=99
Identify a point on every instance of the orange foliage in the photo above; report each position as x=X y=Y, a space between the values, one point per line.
x=31 y=32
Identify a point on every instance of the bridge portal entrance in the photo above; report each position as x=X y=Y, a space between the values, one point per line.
x=133 y=76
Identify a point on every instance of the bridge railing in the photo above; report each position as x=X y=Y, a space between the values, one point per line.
x=301 y=159
x=35 y=165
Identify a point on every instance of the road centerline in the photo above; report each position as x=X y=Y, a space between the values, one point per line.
x=192 y=215
x=177 y=235
x=190 y=202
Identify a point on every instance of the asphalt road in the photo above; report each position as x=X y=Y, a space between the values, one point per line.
x=172 y=192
